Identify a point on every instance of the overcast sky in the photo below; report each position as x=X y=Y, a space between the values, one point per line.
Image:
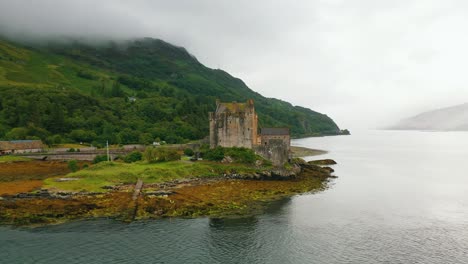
x=365 y=63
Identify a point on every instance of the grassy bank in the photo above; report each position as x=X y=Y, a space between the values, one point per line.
x=116 y=173
x=8 y=158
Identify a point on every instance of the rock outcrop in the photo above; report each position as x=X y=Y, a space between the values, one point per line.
x=322 y=162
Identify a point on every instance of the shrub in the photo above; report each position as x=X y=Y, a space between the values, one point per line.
x=216 y=154
x=73 y=165
x=99 y=158
x=133 y=156
x=188 y=152
x=54 y=140
x=161 y=154
x=85 y=166
x=71 y=150
x=86 y=75
x=241 y=155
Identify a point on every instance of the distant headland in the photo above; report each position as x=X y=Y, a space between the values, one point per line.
x=454 y=118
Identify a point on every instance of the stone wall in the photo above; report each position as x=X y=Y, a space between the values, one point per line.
x=277 y=151
x=265 y=139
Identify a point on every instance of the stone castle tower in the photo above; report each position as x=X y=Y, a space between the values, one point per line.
x=234 y=125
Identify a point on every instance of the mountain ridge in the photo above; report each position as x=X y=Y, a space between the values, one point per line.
x=452 y=118
x=129 y=92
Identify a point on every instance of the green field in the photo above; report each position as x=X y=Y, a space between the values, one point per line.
x=12 y=159
x=92 y=179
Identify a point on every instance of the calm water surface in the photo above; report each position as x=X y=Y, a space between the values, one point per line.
x=401 y=197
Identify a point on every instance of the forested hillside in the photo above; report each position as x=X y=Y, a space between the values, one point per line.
x=133 y=92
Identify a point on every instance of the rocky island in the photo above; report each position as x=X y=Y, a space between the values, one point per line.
x=42 y=192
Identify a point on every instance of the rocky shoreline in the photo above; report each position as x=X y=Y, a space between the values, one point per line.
x=227 y=195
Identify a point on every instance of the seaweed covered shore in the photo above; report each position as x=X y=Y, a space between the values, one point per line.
x=46 y=193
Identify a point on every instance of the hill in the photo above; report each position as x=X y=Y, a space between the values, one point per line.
x=453 y=118
x=127 y=92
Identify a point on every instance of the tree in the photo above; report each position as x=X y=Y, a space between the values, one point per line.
x=99 y=158
x=133 y=156
x=73 y=165
x=161 y=154
x=17 y=133
x=80 y=135
x=189 y=152
x=145 y=139
x=56 y=120
x=116 y=90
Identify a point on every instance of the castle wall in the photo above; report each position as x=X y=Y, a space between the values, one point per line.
x=213 y=130
x=277 y=151
x=234 y=129
x=265 y=139
x=236 y=125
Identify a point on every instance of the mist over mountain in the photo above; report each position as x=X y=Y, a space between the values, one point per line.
x=454 y=118
x=131 y=91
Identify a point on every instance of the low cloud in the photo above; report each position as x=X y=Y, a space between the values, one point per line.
x=365 y=63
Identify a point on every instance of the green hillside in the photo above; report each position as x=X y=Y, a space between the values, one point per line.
x=133 y=92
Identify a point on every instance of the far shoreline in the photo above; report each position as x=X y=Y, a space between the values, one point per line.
x=301 y=152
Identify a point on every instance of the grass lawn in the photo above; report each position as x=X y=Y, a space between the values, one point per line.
x=92 y=179
x=12 y=159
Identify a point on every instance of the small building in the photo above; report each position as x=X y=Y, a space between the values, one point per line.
x=275 y=145
x=20 y=146
x=269 y=134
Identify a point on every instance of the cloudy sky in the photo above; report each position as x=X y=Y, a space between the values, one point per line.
x=365 y=63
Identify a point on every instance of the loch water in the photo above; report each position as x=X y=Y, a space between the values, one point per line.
x=400 y=197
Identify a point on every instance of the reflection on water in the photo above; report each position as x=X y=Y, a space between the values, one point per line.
x=401 y=197
x=233 y=223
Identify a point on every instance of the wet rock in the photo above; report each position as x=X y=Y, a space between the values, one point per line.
x=227 y=159
x=322 y=162
x=330 y=170
x=24 y=195
x=66 y=179
x=44 y=193
x=273 y=174
x=62 y=195
x=160 y=193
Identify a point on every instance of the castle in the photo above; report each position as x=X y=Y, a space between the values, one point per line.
x=236 y=125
